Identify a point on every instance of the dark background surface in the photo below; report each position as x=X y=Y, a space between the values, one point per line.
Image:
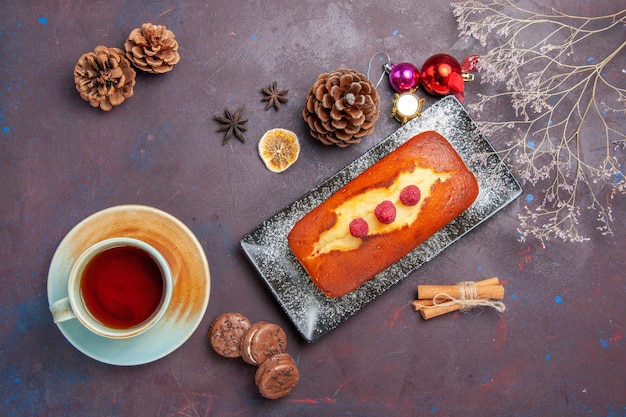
x=557 y=350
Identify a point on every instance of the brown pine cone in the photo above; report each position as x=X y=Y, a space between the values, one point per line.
x=104 y=78
x=152 y=48
x=341 y=108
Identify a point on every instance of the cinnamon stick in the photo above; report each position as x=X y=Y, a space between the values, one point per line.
x=487 y=289
x=429 y=313
x=420 y=304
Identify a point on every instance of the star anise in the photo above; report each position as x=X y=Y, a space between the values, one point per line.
x=232 y=124
x=273 y=96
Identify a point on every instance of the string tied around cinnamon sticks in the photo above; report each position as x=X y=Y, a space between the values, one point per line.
x=436 y=300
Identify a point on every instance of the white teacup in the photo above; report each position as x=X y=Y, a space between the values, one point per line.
x=118 y=288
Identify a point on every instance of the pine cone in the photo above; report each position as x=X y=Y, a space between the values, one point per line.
x=341 y=108
x=104 y=77
x=152 y=48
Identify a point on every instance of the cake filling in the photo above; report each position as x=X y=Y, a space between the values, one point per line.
x=249 y=346
x=364 y=206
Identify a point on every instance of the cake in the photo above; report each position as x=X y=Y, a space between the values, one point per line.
x=383 y=214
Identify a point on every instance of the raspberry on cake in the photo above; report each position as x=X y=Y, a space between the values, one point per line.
x=385 y=212
x=410 y=195
x=359 y=227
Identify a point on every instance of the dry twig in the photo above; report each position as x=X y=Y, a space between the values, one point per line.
x=569 y=130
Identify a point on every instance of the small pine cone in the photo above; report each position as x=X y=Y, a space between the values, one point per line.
x=152 y=48
x=341 y=107
x=104 y=78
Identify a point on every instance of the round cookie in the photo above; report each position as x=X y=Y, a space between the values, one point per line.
x=226 y=333
x=261 y=342
x=277 y=376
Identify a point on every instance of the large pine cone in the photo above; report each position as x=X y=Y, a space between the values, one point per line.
x=341 y=108
x=152 y=48
x=104 y=78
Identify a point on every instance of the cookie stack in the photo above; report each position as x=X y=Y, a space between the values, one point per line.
x=261 y=344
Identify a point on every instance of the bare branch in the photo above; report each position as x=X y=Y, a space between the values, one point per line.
x=570 y=111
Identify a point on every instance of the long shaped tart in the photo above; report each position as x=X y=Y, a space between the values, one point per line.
x=383 y=214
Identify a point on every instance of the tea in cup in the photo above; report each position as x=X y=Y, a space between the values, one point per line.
x=118 y=288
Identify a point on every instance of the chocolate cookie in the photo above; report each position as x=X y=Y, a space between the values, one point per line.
x=277 y=376
x=261 y=342
x=226 y=333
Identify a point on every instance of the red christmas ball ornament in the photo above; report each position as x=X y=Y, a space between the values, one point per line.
x=442 y=75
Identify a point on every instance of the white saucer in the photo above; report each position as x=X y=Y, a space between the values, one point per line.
x=190 y=274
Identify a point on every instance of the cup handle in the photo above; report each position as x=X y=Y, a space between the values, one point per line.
x=62 y=310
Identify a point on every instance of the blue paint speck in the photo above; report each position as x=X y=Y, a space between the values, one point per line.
x=6 y=129
x=605 y=343
x=558 y=299
x=591 y=59
x=254 y=37
x=619 y=176
x=548 y=357
x=531 y=144
x=479 y=269
x=43 y=20
x=395 y=32
x=433 y=409
x=513 y=297
x=529 y=198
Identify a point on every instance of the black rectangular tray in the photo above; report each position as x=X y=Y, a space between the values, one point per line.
x=315 y=314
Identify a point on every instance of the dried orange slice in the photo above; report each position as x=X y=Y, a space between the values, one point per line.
x=279 y=149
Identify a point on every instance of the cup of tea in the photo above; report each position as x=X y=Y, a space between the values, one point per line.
x=117 y=288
